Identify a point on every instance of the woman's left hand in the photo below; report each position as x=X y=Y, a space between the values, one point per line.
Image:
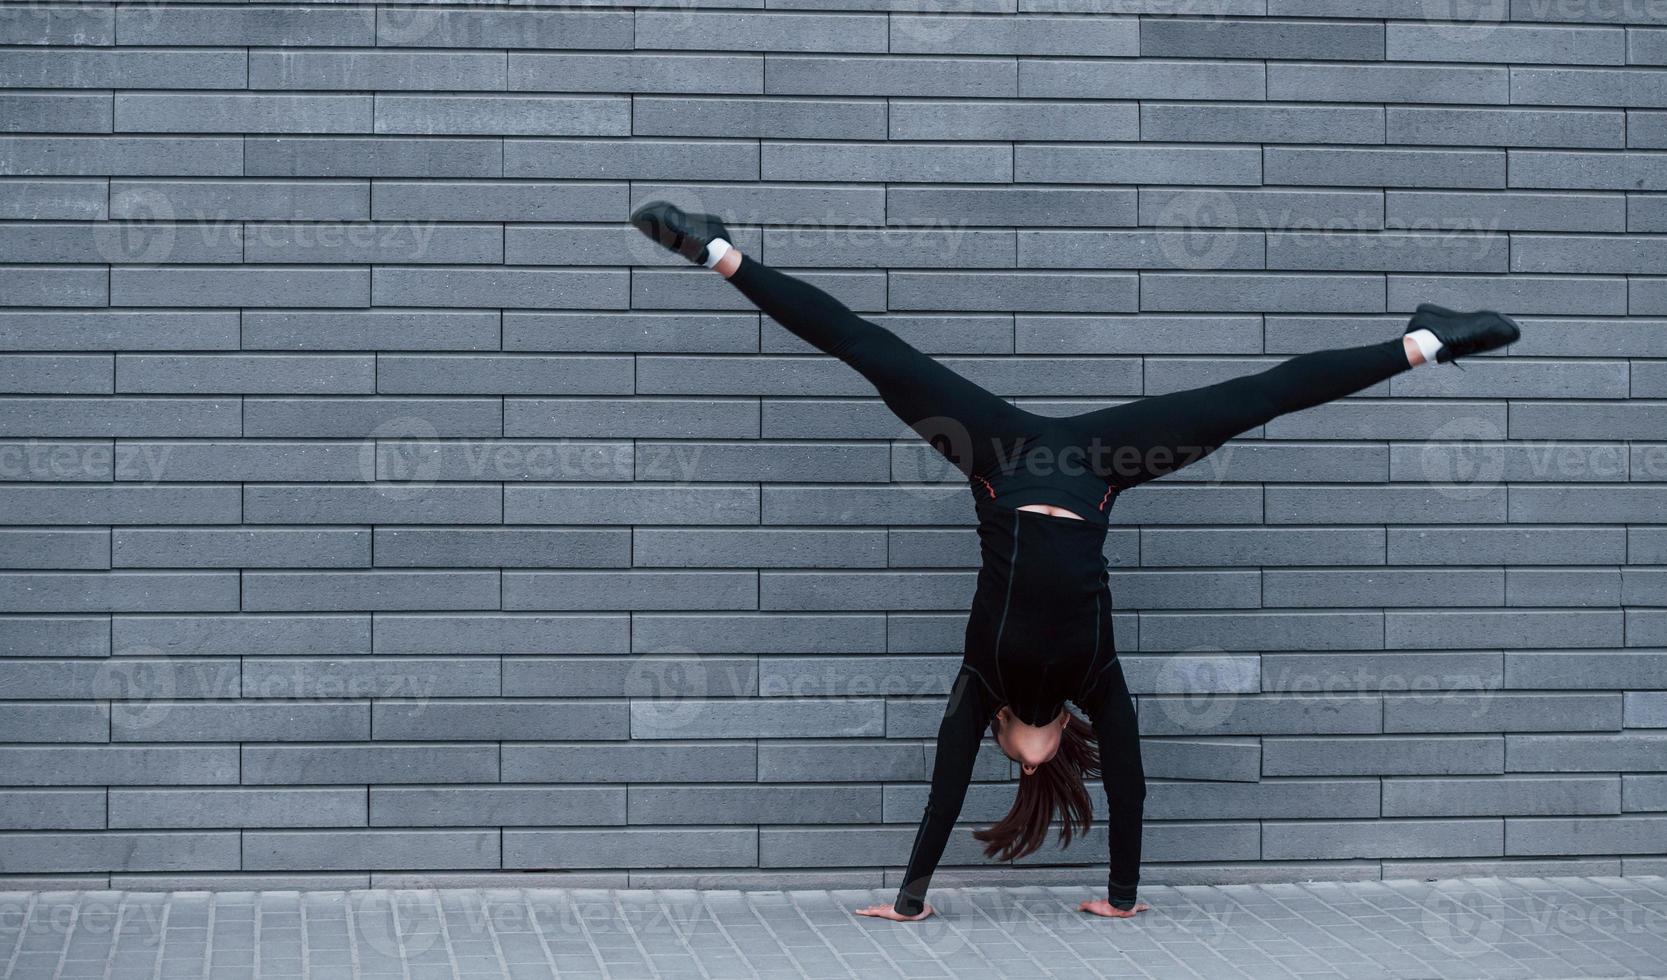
x=1100 y=906
x=887 y=912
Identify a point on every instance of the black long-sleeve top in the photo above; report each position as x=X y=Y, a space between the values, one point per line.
x=1038 y=634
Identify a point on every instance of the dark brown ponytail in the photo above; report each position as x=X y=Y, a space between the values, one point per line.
x=1055 y=787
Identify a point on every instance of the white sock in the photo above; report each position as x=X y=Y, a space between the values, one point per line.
x=717 y=248
x=1427 y=343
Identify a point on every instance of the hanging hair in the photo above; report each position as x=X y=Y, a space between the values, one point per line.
x=1056 y=787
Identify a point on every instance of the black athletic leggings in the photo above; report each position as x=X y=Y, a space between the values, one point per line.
x=1146 y=438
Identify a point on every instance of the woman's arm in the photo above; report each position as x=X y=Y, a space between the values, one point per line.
x=965 y=719
x=1117 y=730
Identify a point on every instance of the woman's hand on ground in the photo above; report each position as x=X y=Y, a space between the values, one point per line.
x=1100 y=906
x=887 y=912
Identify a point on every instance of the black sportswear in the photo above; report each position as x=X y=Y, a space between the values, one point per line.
x=684 y=233
x=1464 y=333
x=1039 y=631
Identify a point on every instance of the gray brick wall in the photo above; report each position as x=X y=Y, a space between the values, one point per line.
x=378 y=506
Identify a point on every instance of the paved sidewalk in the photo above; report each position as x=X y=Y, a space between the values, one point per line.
x=1478 y=927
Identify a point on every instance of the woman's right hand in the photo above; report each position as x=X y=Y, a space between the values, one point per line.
x=1100 y=906
x=888 y=912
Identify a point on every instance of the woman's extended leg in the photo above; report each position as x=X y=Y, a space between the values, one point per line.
x=964 y=422
x=1159 y=434
x=1152 y=436
x=958 y=417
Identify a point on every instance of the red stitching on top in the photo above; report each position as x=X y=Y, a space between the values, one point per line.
x=1104 y=499
x=992 y=490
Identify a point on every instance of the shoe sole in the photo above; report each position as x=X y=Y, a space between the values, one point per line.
x=1432 y=310
x=1441 y=311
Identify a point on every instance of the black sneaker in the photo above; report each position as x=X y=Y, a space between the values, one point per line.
x=684 y=233
x=1462 y=334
